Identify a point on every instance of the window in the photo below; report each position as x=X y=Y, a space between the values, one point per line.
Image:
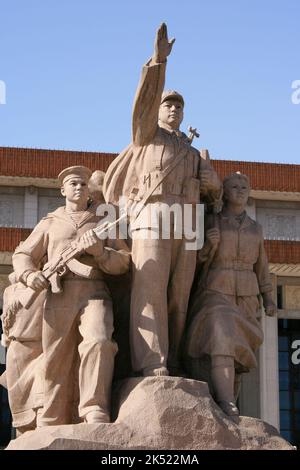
x=289 y=381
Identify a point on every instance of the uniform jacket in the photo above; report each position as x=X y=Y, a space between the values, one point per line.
x=55 y=232
x=240 y=265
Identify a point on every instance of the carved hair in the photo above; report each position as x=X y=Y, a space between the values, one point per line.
x=96 y=185
x=237 y=174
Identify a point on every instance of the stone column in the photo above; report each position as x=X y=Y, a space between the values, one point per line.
x=268 y=369
x=269 y=376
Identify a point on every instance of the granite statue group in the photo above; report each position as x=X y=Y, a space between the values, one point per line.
x=193 y=313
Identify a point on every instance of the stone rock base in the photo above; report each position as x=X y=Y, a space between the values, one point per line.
x=159 y=413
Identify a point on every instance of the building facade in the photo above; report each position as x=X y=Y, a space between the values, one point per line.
x=29 y=190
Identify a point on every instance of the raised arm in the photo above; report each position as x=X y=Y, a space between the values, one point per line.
x=149 y=91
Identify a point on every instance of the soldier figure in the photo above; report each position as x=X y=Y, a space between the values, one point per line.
x=79 y=320
x=224 y=329
x=163 y=269
x=22 y=335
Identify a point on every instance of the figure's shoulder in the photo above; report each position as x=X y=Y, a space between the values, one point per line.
x=252 y=221
x=254 y=224
x=59 y=212
x=193 y=151
x=46 y=221
x=96 y=212
x=258 y=226
x=56 y=213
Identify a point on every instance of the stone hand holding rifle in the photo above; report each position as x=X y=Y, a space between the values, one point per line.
x=88 y=243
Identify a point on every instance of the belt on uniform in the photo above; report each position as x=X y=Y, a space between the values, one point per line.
x=236 y=265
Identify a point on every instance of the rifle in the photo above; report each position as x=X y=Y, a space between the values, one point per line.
x=56 y=268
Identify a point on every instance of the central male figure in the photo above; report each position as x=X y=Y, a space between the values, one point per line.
x=163 y=269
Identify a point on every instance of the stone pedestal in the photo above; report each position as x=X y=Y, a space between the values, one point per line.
x=159 y=413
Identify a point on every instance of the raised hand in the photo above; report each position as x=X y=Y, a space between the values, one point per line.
x=91 y=243
x=162 y=46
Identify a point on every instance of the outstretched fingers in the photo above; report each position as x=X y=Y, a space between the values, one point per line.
x=162 y=32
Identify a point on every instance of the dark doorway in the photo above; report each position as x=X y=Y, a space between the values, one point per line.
x=289 y=380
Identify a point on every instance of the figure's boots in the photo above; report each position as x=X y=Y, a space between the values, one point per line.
x=222 y=377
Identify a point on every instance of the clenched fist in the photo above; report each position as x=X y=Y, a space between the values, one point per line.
x=37 y=281
x=209 y=181
x=91 y=244
x=269 y=305
x=213 y=236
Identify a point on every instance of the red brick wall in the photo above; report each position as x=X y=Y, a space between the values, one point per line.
x=278 y=251
x=48 y=163
x=11 y=237
x=264 y=176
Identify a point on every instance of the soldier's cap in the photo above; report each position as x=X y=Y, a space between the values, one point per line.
x=171 y=95
x=74 y=172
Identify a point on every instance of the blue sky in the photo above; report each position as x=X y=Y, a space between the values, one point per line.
x=71 y=68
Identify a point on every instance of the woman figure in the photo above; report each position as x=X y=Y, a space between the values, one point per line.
x=224 y=331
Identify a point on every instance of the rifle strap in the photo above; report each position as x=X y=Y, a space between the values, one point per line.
x=142 y=203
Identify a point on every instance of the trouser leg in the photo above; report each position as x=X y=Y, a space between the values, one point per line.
x=181 y=279
x=149 y=309
x=222 y=376
x=59 y=342
x=97 y=352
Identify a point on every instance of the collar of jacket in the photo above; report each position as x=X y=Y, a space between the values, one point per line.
x=61 y=213
x=178 y=133
x=245 y=222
